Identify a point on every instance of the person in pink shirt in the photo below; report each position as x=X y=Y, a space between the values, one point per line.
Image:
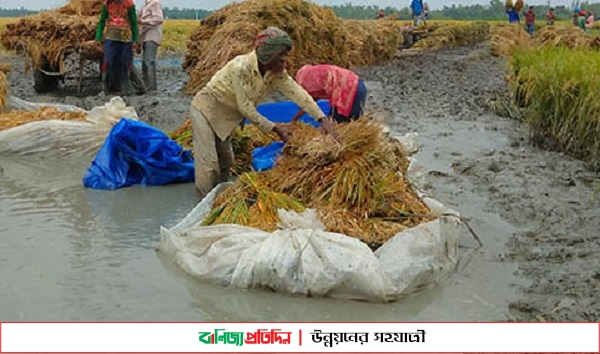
x=345 y=91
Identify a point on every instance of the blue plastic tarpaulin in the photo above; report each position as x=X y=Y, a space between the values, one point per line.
x=135 y=153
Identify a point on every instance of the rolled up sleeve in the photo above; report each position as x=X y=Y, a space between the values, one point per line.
x=246 y=107
x=292 y=90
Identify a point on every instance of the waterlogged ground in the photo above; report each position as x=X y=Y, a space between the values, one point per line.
x=71 y=254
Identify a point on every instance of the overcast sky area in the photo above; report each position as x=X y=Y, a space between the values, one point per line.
x=215 y=4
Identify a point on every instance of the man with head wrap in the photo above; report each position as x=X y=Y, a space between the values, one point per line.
x=232 y=95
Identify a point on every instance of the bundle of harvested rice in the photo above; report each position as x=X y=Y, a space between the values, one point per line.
x=454 y=35
x=4 y=89
x=505 y=38
x=251 y=201
x=519 y=4
x=4 y=68
x=318 y=36
x=47 y=36
x=565 y=36
x=508 y=5
x=356 y=182
x=16 y=118
x=183 y=134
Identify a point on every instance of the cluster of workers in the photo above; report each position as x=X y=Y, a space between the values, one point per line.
x=581 y=18
x=233 y=93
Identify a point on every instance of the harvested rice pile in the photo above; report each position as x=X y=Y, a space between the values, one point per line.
x=371 y=42
x=357 y=184
x=17 y=118
x=319 y=37
x=505 y=38
x=46 y=36
x=454 y=35
x=566 y=36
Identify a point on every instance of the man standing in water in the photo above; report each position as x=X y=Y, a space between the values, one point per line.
x=151 y=19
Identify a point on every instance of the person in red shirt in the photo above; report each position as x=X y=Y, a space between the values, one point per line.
x=345 y=91
x=551 y=17
x=118 y=26
x=530 y=21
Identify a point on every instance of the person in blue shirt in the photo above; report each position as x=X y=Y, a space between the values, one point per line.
x=417 y=11
x=513 y=16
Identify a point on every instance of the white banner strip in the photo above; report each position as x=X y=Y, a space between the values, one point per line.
x=299 y=337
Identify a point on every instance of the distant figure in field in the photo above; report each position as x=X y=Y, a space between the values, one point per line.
x=576 y=12
x=151 y=34
x=380 y=15
x=550 y=17
x=425 y=11
x=530 y=21
x=513 y=16
x=589 y=25
x=417 y=11
x=581 y=21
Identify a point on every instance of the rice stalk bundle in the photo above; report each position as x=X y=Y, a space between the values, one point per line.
x=356 y=182
x=564 y=36
x=251 y=201
x=4 y=90
x=318 y=37
x=519 y=4
x=4 y=68
x=16 y=118
x=454 y=35
x=45 y=37
x=506 y=38
x=183 y=134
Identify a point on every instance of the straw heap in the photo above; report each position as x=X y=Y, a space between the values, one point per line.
x=318 y=36
x=356 y=183
x=46 y=36
x=565 y=36
x=505 y=38
x=16 y=118
x=447 y=36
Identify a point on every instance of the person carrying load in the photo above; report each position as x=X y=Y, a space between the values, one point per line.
x=345 y=91
x=232 y=95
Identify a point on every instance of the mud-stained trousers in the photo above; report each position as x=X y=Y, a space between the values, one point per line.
x=213 y=158
x=149 y=64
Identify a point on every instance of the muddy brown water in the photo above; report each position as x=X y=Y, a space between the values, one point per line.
x=72 y=254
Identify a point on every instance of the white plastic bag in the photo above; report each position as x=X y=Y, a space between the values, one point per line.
x=63 y=137
x=304 y=259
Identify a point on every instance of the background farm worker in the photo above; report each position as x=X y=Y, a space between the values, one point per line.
x=380 y=15
x=589 y=25
x=345 y=91
x=550 y=17
x=530 y=21
x=581 y=21
x=425 y=11
x=417 y=11
x=151 y=19
x=513 y=16
x=121 y=36
x=232 y=95
x=576 y=12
